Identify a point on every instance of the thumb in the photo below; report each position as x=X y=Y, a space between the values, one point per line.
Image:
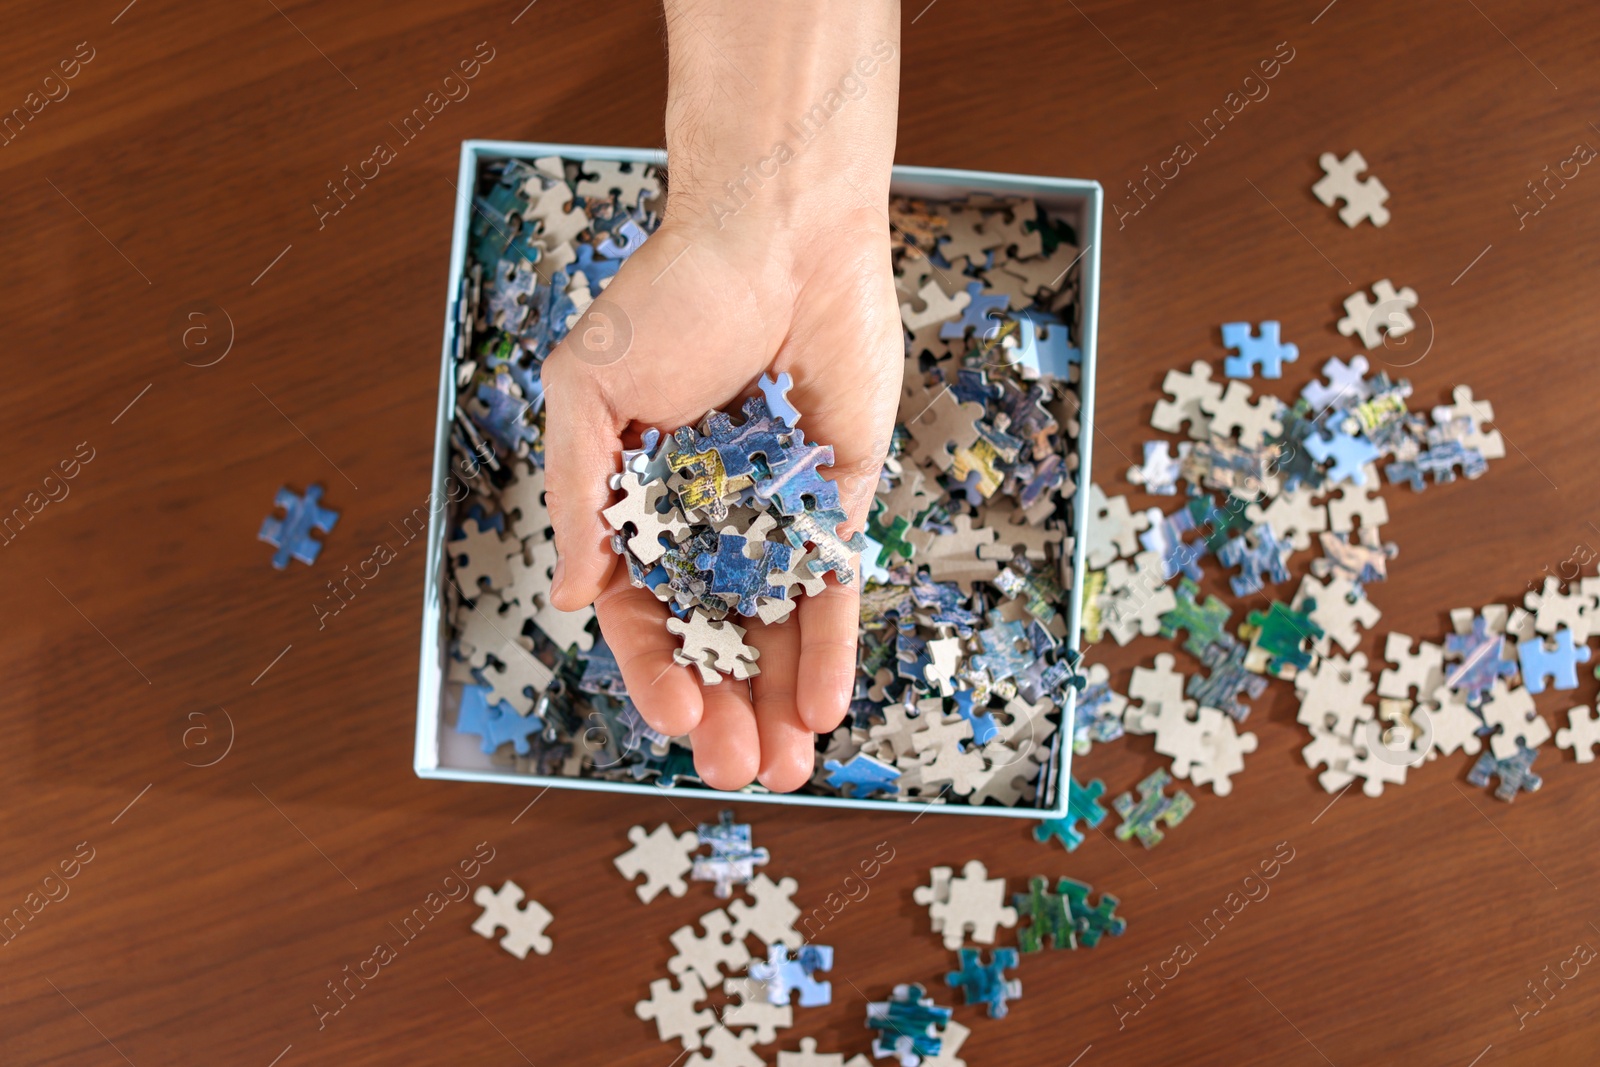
x=581 y=448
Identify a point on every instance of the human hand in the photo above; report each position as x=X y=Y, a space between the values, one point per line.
x=709 y=311
x=772 y=256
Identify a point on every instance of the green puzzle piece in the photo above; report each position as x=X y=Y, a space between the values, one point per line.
x=1284 y=636
x=1083 y=802
x=1050 y=918
x=1140 y=818
x=1205 y=623
x=1095 y=921
x=1216 y=525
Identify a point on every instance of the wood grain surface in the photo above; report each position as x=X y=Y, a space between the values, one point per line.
x=178 y=174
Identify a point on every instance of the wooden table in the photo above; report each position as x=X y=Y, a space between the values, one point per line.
x=177 y=178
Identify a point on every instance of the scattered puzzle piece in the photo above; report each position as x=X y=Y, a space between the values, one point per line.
x=1581 y=734
x=908 y=1025
x=1515 y=774
x=524 y=926
x=1261 y=350
x=1391 y=314
x=291 y=535
x=1141 y=818
x=1082 y=806
x=672 y=1008
x=974 y=902
x=662 y=857
x=986 y=983
x=1363 y=198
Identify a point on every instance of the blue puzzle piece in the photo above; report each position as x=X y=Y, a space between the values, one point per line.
x=983 y=724
x=1515 y=774
x=1083 y=803
x=594 y=270
x=1262 y=350
x=944 y=604
x=729 y=839
x=986 y=983
x=795 y=485
x=1043 y=347
x=1558 y=663
x=981 y=314
x=776 y=392
x=1260 y=559
x=1001 y=656
x=736 y=574
x=506 y=420
x=632 y=239
x=1481 y=661
x=862 y=776
x=1166 y=539
x=291 y=535
x=1229 y=683
x=784 y=976
x=909 y=1025
x=738 y=446
x=1348 y=452
x=733 y=858
x=972 y=386
x=911 y=652
x=497 y=724
x=1093 y=718
x=554 y=310
x=1440 y=461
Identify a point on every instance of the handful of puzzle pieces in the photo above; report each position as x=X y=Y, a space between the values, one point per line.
x=964 y=564
x=762 y=988
x=732 y=518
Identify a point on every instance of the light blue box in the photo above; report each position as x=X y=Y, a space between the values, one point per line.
x=442 y=753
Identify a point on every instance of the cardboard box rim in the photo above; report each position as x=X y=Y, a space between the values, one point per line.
x=917 y=181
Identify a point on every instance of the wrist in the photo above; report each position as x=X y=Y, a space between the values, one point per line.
x=808 y=141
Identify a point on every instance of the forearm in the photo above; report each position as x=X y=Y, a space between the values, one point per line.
x=778 y=113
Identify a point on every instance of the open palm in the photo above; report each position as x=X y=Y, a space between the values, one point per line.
x=688 y=324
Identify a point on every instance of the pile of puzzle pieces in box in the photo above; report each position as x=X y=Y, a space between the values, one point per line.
x=762 y=988
x=965 y=560
x=731 y=518
x=963 y=666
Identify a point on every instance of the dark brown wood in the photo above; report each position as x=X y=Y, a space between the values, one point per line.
x=183 y=167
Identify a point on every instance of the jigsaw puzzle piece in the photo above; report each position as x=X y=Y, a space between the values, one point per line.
x=291 y=535
x=1262 y=349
